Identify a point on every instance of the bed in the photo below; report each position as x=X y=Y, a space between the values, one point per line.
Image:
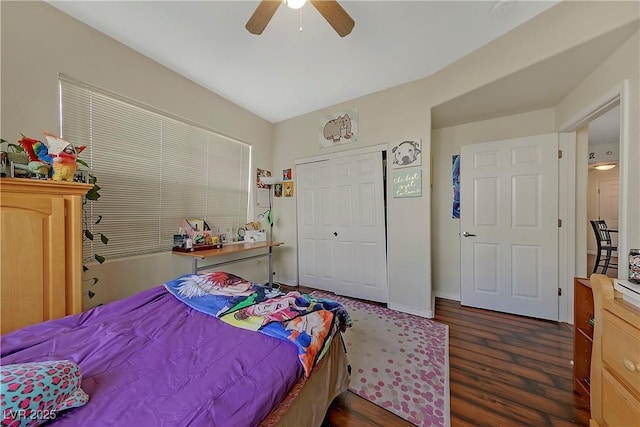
x=154 y=360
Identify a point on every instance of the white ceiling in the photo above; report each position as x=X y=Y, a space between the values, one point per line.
x=605 y=129
x=284 y=73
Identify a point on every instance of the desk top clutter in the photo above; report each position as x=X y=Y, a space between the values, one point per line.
x=195 y=235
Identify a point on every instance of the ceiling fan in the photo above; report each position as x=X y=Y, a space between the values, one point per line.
x=335 y=15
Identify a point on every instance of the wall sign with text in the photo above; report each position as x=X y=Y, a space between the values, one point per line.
x=407 y=183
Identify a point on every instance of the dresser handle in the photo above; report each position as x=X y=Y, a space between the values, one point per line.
x=630 y=366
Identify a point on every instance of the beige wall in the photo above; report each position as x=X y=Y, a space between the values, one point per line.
x=404 y=111
x=39 y=42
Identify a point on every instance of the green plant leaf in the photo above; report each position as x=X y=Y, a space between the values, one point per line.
x=93 y=194
x=84 y=268
x=82 y=162
x=17 y=148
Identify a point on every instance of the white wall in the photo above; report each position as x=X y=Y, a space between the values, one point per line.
x=404 y=111
x=447 y=142
x=39 y=42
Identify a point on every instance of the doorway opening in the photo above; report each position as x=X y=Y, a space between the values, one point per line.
x=603 y=187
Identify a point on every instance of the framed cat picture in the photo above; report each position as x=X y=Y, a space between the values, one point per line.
x=338 y=128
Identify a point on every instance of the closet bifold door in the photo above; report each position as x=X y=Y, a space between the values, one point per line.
x=315 y=210
x=341 y=226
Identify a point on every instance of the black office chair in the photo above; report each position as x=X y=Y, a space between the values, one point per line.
x=603 y=239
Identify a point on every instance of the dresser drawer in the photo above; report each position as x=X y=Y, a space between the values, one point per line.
x=619 y=407
x=621 y=350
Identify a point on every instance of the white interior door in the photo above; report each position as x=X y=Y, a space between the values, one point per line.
x=359 y=227
x=315 y=204
x=608 y=202
x=341 y=226
x=509 y=226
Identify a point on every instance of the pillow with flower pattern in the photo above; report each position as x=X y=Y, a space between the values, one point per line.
x=33 y=393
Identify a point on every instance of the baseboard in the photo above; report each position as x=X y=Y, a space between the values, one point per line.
x=289 y=282
x=411 y=310
x=447 y=295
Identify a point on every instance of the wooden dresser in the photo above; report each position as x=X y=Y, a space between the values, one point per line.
x=582 y=336
x=615 y=361
x=40 y=251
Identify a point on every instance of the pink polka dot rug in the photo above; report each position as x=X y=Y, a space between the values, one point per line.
x=399 y=361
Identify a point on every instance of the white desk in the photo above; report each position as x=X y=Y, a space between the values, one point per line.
x=238 y=250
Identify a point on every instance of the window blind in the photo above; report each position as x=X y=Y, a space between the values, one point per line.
x=154 y=170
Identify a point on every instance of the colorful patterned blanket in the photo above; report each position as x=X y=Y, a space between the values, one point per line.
x=307 y=322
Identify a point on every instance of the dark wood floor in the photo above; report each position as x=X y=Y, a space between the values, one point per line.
x=505 y=370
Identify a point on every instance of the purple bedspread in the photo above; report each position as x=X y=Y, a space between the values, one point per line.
x=150 y=360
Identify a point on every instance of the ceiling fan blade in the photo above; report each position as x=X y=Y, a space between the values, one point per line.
x=262 y=15
x=335 y=15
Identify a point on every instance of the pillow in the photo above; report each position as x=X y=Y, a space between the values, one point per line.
x=218 y=283
x=33 y=393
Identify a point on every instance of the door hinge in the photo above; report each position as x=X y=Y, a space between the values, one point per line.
x=559 y=292
x=559 y=223
x=559 y=154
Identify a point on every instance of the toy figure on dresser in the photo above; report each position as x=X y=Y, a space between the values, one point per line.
x=58 y=153
x=39 y=162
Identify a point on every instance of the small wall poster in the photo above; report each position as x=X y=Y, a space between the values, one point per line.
x=338 y=128
x=407 y=154
x=262 y=190
x=407 y=183
x=287 y=188
x=259 y=174
x=455 y=176
x=277 y=190
x=286 y=174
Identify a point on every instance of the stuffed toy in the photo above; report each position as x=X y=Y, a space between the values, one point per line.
x=59 y=153
x=37 y=152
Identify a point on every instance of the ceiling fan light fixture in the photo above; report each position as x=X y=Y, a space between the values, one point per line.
x=294 y=4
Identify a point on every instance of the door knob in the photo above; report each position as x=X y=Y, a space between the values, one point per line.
x=335 y=233
x=467 y=234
